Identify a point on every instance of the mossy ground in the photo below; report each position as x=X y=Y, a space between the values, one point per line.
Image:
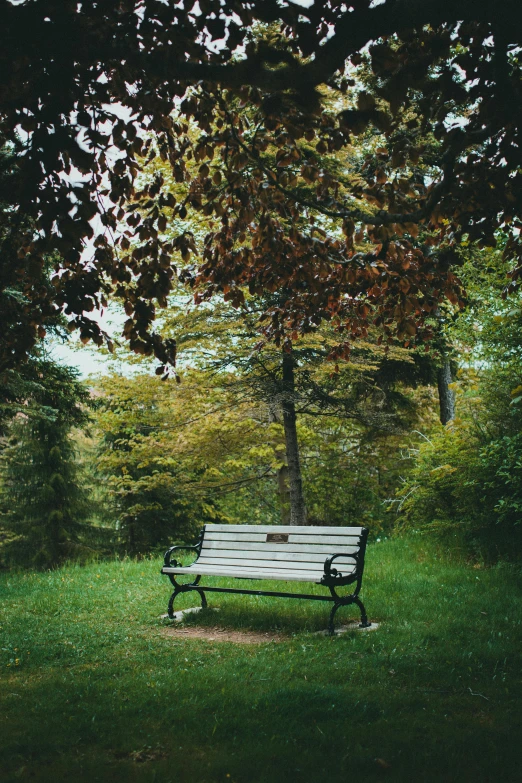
x=92 y=690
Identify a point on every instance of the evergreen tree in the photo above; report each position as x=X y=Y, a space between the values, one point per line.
x=43 y=503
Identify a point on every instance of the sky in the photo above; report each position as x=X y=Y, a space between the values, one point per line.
x=89 y=359
x=86 y=359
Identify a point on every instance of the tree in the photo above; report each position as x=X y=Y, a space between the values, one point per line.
x=43 y=503
x=26 y=306
x=458 y=62
x=170 y=454
x=465 y=482
x=298 y=384
x=274 y=373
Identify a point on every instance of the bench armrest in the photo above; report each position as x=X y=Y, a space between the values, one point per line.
x=332 y=575
x=329 y=571
x=169 y=563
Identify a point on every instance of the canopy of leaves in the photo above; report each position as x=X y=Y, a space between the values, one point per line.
x=89 y=85
x=26 y=295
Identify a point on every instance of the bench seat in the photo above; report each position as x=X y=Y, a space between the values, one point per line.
x=329 y=556
x=283 y=574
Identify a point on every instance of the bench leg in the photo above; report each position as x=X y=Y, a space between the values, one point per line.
x=353 y=599
x=170 y=610
x=331 y=628
x=203 y=599
x=185 y=589
x=364 y=619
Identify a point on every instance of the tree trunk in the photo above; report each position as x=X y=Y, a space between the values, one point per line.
x=446 y=395
x=284 y=494
x=283 y=490
x=297 y=503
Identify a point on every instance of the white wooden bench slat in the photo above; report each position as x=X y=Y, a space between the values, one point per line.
x=260 y=538
x=250 y=573
x=290 y=548
x=301 y=529
x=226 y=562
x=277 y=556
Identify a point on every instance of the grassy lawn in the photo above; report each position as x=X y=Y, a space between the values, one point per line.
x=92 y=689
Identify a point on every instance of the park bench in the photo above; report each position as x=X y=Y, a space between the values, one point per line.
x=329 y=556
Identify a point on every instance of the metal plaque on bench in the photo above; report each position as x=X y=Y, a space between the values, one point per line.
x=277 y=538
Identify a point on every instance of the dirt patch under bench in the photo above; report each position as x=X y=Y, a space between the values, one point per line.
x=215 y=634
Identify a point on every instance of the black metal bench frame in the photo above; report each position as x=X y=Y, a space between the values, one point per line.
x=331 y=579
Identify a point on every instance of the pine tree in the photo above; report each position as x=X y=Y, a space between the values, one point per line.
x=43 y=502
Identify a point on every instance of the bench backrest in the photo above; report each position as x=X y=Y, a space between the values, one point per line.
x=285 y=546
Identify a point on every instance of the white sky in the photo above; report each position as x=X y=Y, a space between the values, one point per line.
x=84 y=358
x=89 y=359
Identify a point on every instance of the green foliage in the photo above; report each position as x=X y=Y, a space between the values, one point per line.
x=466 y=486
x=42 y=501
x=215 y=441
x=466 y=480
x=352 y=414
x=349 y=471
x=169 y=453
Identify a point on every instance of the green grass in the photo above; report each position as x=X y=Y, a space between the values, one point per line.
x=92 y=690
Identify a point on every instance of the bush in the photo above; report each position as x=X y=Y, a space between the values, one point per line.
x=466 y=480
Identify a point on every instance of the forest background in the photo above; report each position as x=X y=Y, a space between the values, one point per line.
x=412 y=427
x=396 y=436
